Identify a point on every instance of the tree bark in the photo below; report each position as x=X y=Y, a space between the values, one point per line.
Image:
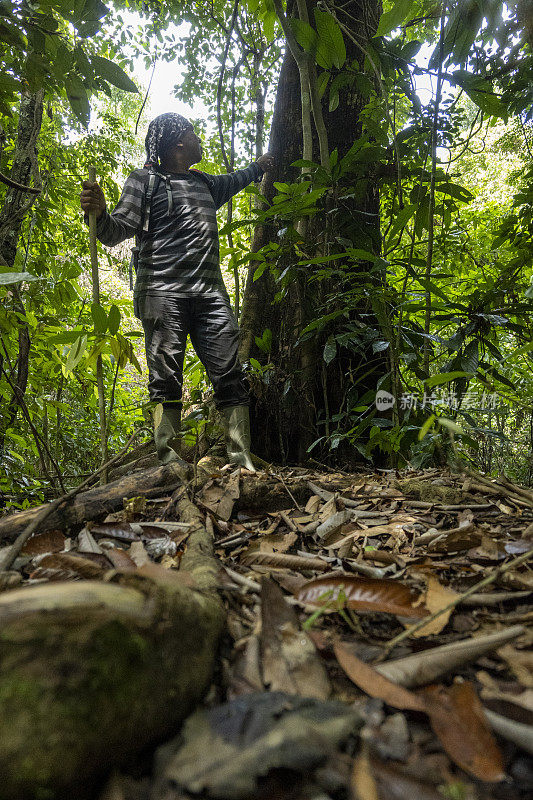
x=302 y=390
x=16 y=206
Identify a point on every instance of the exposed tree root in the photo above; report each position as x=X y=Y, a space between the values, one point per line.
x=92 y=672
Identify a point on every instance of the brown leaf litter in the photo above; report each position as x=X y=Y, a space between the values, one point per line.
x=322 y=573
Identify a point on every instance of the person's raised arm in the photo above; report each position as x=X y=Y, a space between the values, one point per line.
x=225 y=187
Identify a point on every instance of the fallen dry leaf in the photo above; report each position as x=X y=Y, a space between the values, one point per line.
x=363 y=594
x=457 y=718
x=121 y=560
x=362 y=783
x=65 y=566
x=138 y=553
x=436 y=662
x=456 y=715
x=396 y=785
x=436 y=597
x=289 y=658
x=370 y=681
x=520 y=662
x=274 y=543
x=87 y=543
x=41 y=543
x=124 y=532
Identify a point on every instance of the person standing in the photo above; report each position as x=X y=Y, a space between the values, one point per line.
x=179 y=289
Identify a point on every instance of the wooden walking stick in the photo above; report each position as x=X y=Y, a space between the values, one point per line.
x=99 y=366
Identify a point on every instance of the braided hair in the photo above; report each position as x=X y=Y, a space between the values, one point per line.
x=164 y=131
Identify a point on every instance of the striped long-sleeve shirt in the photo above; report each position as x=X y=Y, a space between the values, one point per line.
x=179 y=252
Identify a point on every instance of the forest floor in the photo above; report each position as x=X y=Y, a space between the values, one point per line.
x=378 y=638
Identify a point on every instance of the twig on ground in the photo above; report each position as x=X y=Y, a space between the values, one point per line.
x=296 y=503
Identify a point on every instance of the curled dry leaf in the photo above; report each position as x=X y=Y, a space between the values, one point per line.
x=362 y=782
x=436 y=597
x=370 y=681
x=121 y=560
x=436 y=662
x=456 y=715
x=123 y=531
x=64 y=566
x=40 y=543
x=458 y=719
x=363 y=594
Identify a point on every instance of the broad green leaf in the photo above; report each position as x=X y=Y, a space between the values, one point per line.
x=135 y=362
x=526 y=348
x=481 y=93
x=264 y=342
x=493 y=372
x=333 y=101
x=455 y=191
x=260 y=269
x=96 y=351
x=269 y=20
x=78 y=99
x=115 y=348
x=432 y=287
x=331 y=49
x=322 y=82
x=450 y=424
x=267 y=338
x=461 y=31
x=470 y=357
x=99 y=318
x=330 y=350
x=9 y=84
x=65 y=336
x=428 y=424
x=361 y=255
x=87 y=21
x=401 y=219
x=16 y=277
x=304 y=34
x=446 y=377
x=391 y=19
x=113 y=320
x=76 y=353
x=496 y=319
x=16 y=438
x=111 y=72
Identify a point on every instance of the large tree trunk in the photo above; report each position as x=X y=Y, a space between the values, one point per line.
x=302 y=391
x=13 y=212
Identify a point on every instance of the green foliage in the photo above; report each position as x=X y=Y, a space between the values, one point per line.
x=39 y=52
x=452 y=338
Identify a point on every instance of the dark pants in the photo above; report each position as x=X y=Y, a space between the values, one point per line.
x=211 y=324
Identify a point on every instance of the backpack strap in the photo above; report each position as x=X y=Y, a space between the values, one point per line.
x=146 y=206
x=151 y=186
